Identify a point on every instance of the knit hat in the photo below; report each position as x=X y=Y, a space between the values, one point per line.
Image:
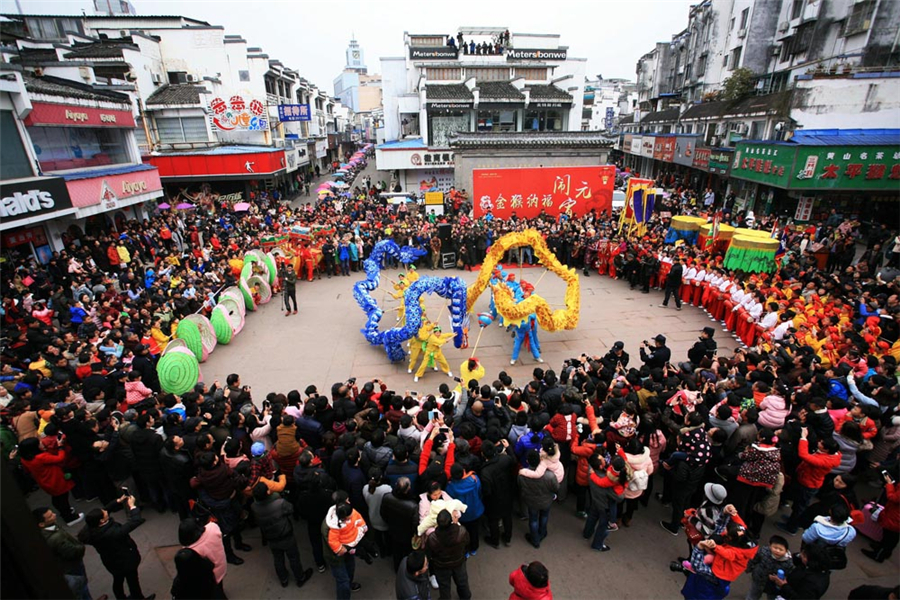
x=258 y=449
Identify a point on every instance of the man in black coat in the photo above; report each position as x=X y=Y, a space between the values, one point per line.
x=273 y=515
x=144 y=365
x=498 y=487
x=177 y=468
x=659 y=356
x=705 y=347
x=673 y=284
x=146 y=446
x=112 y=540
x=400 y=511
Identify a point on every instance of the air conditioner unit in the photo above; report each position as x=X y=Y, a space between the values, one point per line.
x=714 y=142
x=742 y=33
x=742 y=128
x=784 y=26
x=776 y=50
x=156 y=77
x=191 y=78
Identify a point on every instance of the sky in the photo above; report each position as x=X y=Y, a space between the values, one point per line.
x=312 y=35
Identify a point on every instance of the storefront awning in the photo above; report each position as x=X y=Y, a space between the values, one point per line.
x=28 y=201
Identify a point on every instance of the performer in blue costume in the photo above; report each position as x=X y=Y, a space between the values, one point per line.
x=527 y=331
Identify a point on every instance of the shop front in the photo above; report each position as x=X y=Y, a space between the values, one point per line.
x=859 y=181
x=228 y=170
x=27 y=206
x=417 y=169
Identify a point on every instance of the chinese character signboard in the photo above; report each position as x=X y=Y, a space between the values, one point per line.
x=701 y=159
x=238 y=114
x=609 y=119
x=804 y=209
x=636 y=144
x=664 y=149
x=424 y=160
x=551 y=190
x=684 y=150
x=648 y=145
x=719 y=161
x=293 y=112
x=769 y=164
x=846 y=168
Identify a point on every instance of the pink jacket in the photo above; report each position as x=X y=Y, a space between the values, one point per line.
x=657 y=446
x=135 y=391
x=210 y=546
x=773 y=411
x=639 y=462
x=548 y=463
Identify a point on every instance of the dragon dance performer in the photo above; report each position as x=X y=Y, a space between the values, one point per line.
x=526 y=332
x=433 y=354
x=419 y=342
x=401 y=286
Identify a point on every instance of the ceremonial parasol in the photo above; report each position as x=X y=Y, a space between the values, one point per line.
x=241 y=207
x=185 y=206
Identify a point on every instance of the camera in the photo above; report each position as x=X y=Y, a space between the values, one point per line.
x=352 y=380
x=433 y=414
x=125 y=491
x=414 y=394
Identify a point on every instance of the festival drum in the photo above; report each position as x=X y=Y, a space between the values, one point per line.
x=684 y=228
x=752 y=253
x=722 y=240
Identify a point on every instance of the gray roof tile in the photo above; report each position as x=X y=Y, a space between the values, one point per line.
x=548 y=92
x=457 y=91
x=499 y=90
x=55 y=86
x=177 y=94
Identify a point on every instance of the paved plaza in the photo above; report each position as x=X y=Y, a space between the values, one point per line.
x=322 y=345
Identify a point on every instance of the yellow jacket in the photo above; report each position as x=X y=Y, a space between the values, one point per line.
x=425 y=331
x=435 y=341
x=466 y=375
x=161 y=339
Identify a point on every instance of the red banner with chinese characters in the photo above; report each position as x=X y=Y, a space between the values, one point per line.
x=43 y=113
x=552 y=190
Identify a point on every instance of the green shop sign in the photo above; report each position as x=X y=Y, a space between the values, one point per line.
x=770 y=164
x=719 y=161
x=847 y=168
x=819 y=167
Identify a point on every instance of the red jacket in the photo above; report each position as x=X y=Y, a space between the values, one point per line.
x=113 y=256
x=814 y=467
x=582 y=451
x=729 y=562
x=562 y=428
x=425 y=457
x=890 y=516
x=46 y=468
x=523 y=590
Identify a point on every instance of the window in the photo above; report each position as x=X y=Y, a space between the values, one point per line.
x=427 y=41
x=745 y=14
x=731 y=27
x=176 y=77
x=63 y=148
x=443 y=123
x=14 y=161
x=757 y=130
x=140 y=136
x=244 y=75
x=443 y=74
x=532 y=74
x=725 y=61
x=543 y=120
x=496 y=120
x=701 y=66
x=860 y=18
x=802 y=39
x=488 y=74
x=796 y=9
x=177 y=130
x=736 y=58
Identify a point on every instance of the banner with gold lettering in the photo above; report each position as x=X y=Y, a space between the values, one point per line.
x=528 y=192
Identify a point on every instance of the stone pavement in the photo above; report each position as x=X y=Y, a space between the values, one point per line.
x=322 y=345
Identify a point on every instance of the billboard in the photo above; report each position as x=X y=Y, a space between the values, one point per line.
x=551 y=190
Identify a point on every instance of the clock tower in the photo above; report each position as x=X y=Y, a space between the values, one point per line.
x=355 y=61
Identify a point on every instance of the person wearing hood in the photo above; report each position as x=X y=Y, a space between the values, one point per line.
x=530 y=582
x=412 y=577
x=638 y=458
x=849 y=440
x=835 y=530
x=465 y=486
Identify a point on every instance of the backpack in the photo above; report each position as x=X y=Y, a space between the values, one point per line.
x=638 y=481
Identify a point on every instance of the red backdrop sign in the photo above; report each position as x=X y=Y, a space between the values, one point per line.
x=216 y=164
x=43 y=113
x=553 y=190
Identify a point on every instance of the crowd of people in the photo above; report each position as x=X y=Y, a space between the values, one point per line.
x=803 y=414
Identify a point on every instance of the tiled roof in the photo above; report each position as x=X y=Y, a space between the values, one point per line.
x=626 y=119
x=177 y=94
x=55 y=86
x=778 y=103
x=34 y=55
x=457 y=91
x=98 y=50
x=576 y=139
x=499 y=90
x=670 y=115
x=548 y=92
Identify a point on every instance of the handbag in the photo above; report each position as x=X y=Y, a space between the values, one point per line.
x=693 y=534
x=837 y=557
